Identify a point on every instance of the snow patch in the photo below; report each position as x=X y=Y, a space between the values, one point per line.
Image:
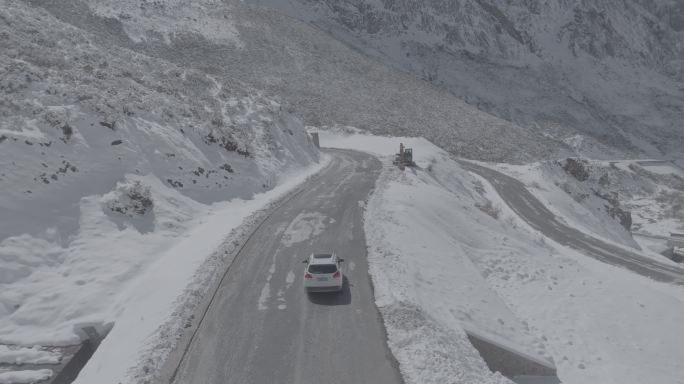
x=25 y=377
x=22 y=355
x=289 y=279
x=305 y=226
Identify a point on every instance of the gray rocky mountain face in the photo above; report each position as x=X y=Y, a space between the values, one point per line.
x=314 y=76
x=647 y=32
x=610 y=70
x=492 y=80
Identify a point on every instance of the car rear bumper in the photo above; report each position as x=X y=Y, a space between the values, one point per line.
x=331 y=288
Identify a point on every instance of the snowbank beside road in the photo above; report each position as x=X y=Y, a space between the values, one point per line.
x=25 y=377
x=142 y=275
x=152 y=310
x=20 y=355
x=447 y=254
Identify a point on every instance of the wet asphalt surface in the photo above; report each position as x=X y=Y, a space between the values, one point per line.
x=263 y=327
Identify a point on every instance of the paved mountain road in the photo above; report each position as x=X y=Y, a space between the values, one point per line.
x=262 y=327
x=516 y=195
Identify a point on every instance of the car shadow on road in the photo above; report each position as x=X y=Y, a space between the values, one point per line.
x=332 y=298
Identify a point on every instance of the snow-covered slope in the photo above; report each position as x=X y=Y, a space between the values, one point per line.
x=109 y=158
x=611 y=199
x=79 y=113
x=447 y=254
x=608 y=72
x=127 y=126
x=571 y=189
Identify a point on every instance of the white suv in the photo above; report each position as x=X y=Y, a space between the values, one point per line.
x=323 y=273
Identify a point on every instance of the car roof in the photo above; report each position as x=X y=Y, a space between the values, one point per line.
x=322 y=258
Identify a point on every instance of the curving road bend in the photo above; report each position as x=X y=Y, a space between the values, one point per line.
x=263 y=328
x=523 y=203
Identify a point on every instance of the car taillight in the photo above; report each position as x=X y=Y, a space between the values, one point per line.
x=308 y=276
x=336 y=275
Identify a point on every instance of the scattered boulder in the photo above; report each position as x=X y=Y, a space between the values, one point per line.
x=174 y=183
x=131 y=199
x=576 y=168
x=110 y=125
x=224 y=142
x=67 y=131
x=614 y=209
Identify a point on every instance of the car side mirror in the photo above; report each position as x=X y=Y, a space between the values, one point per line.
x=340 y=260
x=305 y=261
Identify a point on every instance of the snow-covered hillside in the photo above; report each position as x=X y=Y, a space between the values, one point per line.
x=140 y=140
x=608 y=72
x=612 y=199
x=79 y=113
x=447 y=255
x=108 y=159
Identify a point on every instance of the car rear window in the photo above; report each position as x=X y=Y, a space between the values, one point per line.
x=322 y=268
